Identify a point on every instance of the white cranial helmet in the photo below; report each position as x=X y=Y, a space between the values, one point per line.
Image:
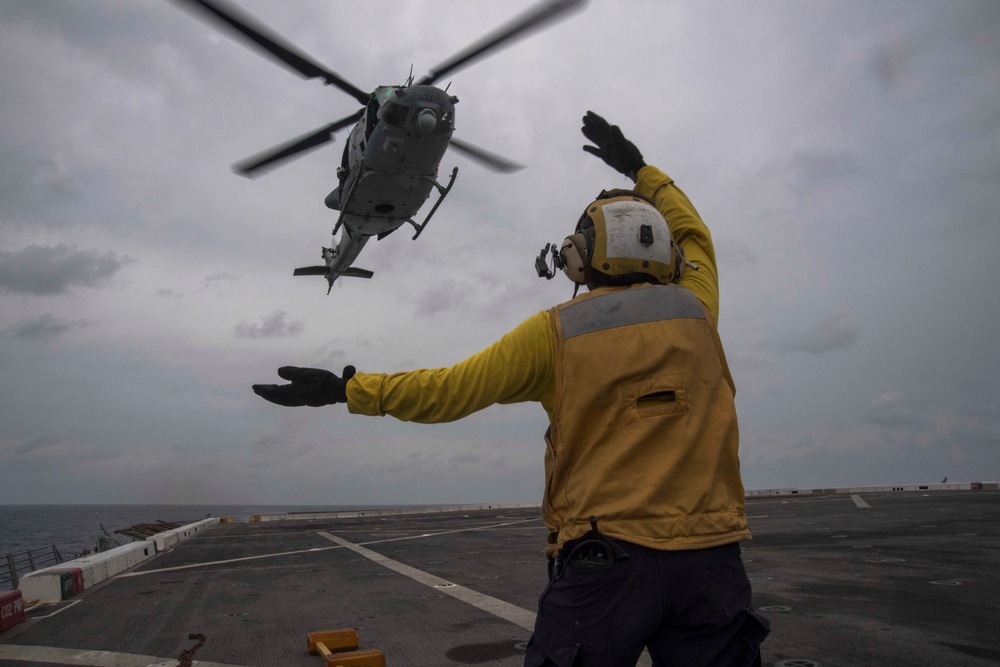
x=621 y=233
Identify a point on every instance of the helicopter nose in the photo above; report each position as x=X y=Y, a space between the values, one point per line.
x=426 y=120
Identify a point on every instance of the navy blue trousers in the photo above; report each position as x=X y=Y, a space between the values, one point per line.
x=689 y=608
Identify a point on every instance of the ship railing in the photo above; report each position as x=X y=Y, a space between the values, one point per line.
x=14 y=564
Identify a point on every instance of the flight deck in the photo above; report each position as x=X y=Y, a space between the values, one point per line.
x=846 y=579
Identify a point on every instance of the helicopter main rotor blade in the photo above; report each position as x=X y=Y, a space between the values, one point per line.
x=257 y=34
x=517 y=28
x=269 y=158
x=490 y=160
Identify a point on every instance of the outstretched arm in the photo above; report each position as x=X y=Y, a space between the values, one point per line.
x=518 y=367
x=686 y=226
x=689 y=232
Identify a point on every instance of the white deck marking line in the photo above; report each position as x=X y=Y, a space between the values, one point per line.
x=77 y=656
x=57 y=611
x=223 y=562
x=191 y=566
x=859 y=502
x=491 y=605
x=448 y=532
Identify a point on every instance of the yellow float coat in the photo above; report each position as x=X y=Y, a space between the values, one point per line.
x=654 y=468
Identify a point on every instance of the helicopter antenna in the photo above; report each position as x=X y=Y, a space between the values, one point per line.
x=409 y=80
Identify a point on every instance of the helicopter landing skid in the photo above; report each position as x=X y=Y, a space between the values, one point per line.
x=443 y=193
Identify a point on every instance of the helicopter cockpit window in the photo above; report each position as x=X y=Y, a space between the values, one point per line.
x=394 y=113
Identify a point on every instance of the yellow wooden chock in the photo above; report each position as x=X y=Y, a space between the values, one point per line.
x=339 y=648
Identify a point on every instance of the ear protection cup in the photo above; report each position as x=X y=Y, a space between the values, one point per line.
x=575 y=253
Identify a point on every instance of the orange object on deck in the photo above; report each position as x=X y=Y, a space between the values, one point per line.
x=339 y=648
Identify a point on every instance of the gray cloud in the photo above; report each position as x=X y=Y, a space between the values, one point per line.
x=813 y=169
x=216 y=282
x=894 y=410
x=843 y=160
x=272 y=326
x=978 y=401
x=32 y=188
x=974 y=437
x=106 y=30
x=33 y=444
x=735 y=254
x=47 y=270
x=830 y=334
x=443 y=297
x=218 y=279
x=42 y=328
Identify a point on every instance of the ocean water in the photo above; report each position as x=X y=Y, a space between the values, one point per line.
x=75 y=529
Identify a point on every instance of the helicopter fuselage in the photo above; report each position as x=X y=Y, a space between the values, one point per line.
x=389 y=168
x=392 y=157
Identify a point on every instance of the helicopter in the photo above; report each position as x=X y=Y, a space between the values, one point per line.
x=400 y=134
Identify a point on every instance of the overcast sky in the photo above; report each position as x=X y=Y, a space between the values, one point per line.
x=846 y=156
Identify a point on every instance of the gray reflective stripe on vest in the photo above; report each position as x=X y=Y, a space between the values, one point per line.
x=633 y=306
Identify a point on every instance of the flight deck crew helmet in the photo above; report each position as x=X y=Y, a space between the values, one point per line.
x=620 y=239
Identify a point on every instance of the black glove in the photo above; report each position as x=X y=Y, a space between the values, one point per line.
x=612 y=147
x=309 y=386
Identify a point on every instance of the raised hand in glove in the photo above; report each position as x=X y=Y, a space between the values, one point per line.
x=612 y=147
x=309 y=386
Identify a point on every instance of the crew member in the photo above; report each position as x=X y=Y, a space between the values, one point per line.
x=643 y=496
